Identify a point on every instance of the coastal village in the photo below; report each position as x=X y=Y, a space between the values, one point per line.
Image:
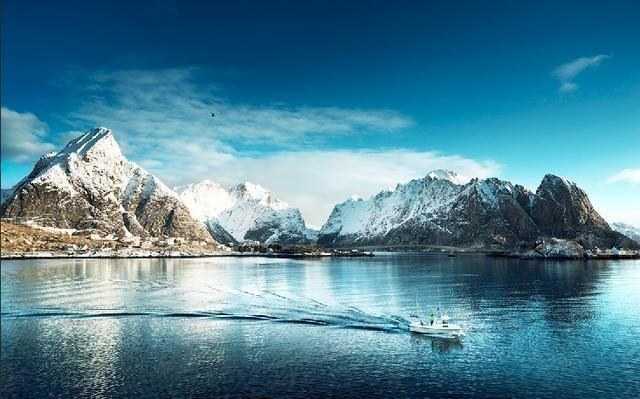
x=20 y=241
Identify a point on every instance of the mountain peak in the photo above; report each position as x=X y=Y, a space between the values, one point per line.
x=100 y=190
x=444 y=174
x=255 y=192
x=555 y=180
x=99 y=139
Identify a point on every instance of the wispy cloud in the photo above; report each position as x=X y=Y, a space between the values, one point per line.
x=567 y=72
x=175 y=103
x=631 y=176
x=23 y=136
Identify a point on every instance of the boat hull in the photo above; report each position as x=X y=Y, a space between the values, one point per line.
x=438 y=331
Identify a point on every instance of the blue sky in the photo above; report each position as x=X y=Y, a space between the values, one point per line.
x=322 y=100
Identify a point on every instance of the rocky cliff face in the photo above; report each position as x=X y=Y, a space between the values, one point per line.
x=245 y=211
x=89 y=184
x=440 y=210
x=562 y=209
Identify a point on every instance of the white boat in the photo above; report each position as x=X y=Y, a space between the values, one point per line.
x=437 y=327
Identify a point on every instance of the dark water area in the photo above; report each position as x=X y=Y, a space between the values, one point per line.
x=245 y=328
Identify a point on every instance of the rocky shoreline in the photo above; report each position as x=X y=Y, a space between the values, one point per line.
x=180 y=254
x=315 y=255
x=21 y=241
x=531 y=256
x=555 y=248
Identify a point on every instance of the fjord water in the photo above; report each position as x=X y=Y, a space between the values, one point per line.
x=252 y=327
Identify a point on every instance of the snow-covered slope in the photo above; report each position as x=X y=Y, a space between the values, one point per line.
x=421 y=200
x=247 y=211
x=628 y=230
x=206 y=199
x=89 y=184
x=440 y=210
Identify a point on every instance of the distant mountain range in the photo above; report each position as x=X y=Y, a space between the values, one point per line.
x=440 y=210
x=246 y=211
x=90 y=185
x=628 y=230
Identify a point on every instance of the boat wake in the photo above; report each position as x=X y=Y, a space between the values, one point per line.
x=264 y=306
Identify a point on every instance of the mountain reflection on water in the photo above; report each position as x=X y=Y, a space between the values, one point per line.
x=336 y=327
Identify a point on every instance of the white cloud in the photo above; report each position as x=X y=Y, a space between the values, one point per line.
x=631 y=176
x=567 y=72
x=571 y=69
x=23 y=136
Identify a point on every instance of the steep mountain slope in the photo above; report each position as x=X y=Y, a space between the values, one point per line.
x=246 y=211
x=562 y=209
x=418 y=207
x=89 y=184
x=439 y=210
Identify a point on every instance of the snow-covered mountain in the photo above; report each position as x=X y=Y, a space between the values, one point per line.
x=246 y=211
x=419 y=201
x=89 y=184
x=628 y=230
x=440 y=210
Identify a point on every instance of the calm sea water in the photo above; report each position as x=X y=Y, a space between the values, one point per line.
x=319 y=328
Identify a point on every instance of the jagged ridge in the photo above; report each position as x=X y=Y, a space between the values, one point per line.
x=246 y=211
x=438 y=210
